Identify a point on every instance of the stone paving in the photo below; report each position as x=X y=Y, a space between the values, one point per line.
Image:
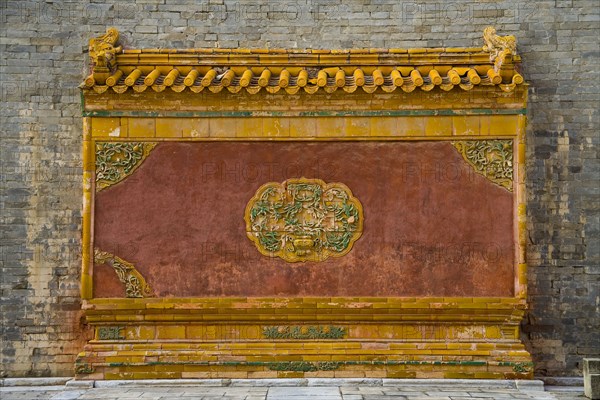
x=346 y=391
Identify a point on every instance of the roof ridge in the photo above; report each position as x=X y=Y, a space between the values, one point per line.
x=329 y=70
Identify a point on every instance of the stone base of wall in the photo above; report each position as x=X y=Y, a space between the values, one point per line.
x=303 y=360
x=288 y=338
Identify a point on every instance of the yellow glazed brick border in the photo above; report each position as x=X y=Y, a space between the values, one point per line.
x=520 y=210
x=304 y=310
x=167 y=103
x=89 y=171
x=170 y=371
x=273 y=303
x=206 y=332
x=294 y=128
x=350 y=359
x=316 y=351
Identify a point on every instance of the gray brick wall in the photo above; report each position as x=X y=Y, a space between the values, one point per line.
x=42 y=45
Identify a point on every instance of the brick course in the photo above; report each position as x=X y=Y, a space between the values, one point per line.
x=43 y=44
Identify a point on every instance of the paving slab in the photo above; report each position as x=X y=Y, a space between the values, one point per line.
x=270 y=382
x=60 y=381
x=308 y=393
x=321 y=389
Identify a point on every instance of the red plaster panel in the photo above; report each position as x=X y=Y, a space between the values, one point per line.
x=432 y=227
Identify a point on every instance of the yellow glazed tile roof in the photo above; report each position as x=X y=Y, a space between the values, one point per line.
x=292 y=71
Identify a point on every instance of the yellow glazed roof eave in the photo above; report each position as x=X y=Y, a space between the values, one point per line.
x=494 y=65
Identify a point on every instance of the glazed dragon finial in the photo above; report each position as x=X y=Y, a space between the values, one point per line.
x=102 y=50
x=499 y=47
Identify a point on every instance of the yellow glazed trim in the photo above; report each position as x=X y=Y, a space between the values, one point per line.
x=521 y=211
x=86 y=240
x=312 y=128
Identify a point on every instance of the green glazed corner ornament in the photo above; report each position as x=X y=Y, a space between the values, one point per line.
x=116 y=161
x=490 y=158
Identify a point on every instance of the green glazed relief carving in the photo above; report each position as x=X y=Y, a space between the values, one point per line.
x=522 y=367
x=304 y=220
x=304 y=332
x=85 y=368
x=117 y=160
x=135 y=284
x=304 y=366
x=110 y=333
x=490 y=158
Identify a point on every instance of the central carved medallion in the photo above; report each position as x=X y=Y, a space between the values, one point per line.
x=304 y=220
